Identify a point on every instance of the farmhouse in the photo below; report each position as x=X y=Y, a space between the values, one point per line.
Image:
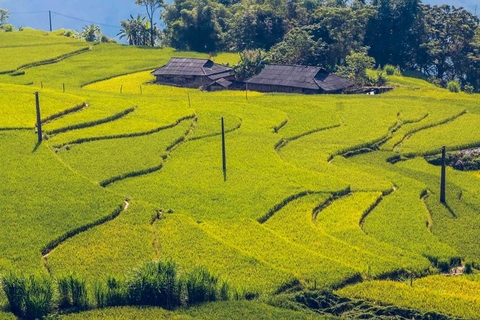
x=297 y=79
x=194 y=73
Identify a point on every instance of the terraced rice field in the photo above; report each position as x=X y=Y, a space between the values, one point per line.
x=132 y=172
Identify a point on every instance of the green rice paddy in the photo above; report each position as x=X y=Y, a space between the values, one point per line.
x=132 y=172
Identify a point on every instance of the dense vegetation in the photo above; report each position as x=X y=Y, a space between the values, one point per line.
x=323 y=193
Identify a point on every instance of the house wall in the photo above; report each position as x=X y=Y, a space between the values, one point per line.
x=184 y=81
x=275 y=88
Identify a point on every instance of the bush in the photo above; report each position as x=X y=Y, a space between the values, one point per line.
x=38 y=297
x=453 y=86
x=29 y=298
x=468 y=89
x=392 y=70
x=8 y=27
x=201 y=286
x=72 y=293
x=156 y=284
x=113 y=294
x=14 y=287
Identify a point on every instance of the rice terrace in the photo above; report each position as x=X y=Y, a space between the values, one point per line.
x=329 y=206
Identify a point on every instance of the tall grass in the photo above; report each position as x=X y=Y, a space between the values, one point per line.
x=72 y=292
x=155 y=283
x=29 y=298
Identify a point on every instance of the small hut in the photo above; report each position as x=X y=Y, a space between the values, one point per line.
x=297 y=79
x=193 y=73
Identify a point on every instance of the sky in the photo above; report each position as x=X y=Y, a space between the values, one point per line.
x=106 y=13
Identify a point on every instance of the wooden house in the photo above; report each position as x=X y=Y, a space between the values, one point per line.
x=194 y=73
x=297 y=79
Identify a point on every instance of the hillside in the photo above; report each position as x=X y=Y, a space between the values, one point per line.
x=131 y=172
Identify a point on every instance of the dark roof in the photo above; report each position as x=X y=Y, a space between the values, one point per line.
x=224 y=83
x=190 y=67
x=304 y=77
x=331 y=82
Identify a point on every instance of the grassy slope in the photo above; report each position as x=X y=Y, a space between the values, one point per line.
x=279 y=147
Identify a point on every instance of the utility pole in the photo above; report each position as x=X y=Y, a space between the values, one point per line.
x=50 y=19
x=39 y=119
x=442 y=178
x=224 y=153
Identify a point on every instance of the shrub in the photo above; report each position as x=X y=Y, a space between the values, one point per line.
x=201 y=286
x=8 y=27
x=38 y=297
x=112 y=295
x=453 y=86
x=72 y=293
x=14 y=287
x=29 y=298
x=392 y=70
x=468 y=89
x=155 y=283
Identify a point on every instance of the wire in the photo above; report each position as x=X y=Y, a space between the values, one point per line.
x=33 y=12
x=88 y=21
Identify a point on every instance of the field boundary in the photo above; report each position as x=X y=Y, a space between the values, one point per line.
x=170 y=148
x=115 y=76
x=92 y=123
x=63 y=113
x=435 y=124
x=237 y=127
x=127 y=135
x=49 y=247
x=282 y=143
x=53 y=60
x=279 y=206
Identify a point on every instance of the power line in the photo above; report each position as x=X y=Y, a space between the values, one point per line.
x=87 y=21
x=32 y=12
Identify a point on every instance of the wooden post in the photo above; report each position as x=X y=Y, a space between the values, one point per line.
x=141 y=91
x=411 y=279
x=442 y=178
x=39 y=119
x=224 y=153
x=63 y=87
x=189 y=102
x=121 y=88
x=41 y=84
x=246 y=91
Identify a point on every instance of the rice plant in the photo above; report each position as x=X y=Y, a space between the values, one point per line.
x=202 y=286
x=72 y=292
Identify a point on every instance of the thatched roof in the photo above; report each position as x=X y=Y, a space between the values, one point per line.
x=191 y=67
x=304 y=77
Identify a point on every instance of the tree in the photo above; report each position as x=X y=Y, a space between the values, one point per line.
x=4 y=15
x=298 y=47
x=91 y=33
x=393 y=32
x=251 y=63
x=196 y=25
x=137 y=31
x=449 y=41
x=151 y=6
x=356 y=67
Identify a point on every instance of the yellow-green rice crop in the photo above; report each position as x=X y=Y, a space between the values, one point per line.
x=31 y=46
x=455 y=296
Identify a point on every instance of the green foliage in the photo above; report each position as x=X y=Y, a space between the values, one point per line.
x=250 y=64
x=356 y=67
x=155 y=283
x=28 y=297
x=201 y=286
x=73 y=292
x=91 y=33
x=392 y=70
x=4 y=15
x=453 y=86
